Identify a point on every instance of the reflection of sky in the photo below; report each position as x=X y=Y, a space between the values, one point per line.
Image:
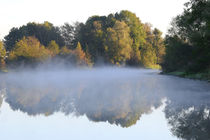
x=19 y=126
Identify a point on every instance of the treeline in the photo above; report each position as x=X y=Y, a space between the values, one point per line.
x=188 y=40
x=116 y=39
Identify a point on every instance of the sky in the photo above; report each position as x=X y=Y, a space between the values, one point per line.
x=15 y=13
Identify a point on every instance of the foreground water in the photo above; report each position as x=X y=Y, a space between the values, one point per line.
x=105 y=103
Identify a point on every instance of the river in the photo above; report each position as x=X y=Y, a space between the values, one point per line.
x=102 y=103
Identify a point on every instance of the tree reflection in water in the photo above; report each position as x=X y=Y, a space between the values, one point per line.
x=120 y=99
x=117 y=99
x=189 y=120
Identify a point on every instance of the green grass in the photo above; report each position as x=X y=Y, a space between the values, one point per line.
x=199 y=76
x=177 y=73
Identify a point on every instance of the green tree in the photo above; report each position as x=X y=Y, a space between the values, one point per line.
x=67 y=32
x=53 y=47
x=192 y=27
x=178 y=55
x=80 y=55
x=44 y=32
x=92 y=34
x=148 y=55
x=153 y=39
x=158 y=44
x=118 y=44
x=149 y=33
x=70 y=34
x=137 y=34
x=28 y=51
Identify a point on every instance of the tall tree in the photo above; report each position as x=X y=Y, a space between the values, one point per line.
x=158 y=45
x=70 y=34
x=2 y=55
x=193 y=28
x=178 y=55
x=137 y=34
x=28 y=51
x=67 y=32
x=153 y=39
x=92 y=34
x=43 y=32
x=53 y=47
x=118 y=44
x=148 y=55
x=81 y=58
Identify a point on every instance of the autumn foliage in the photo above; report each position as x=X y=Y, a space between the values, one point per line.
x=117 y=39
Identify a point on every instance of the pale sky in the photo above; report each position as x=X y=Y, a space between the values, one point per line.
x=15 y=13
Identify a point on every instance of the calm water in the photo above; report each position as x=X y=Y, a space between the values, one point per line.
x=103 y=104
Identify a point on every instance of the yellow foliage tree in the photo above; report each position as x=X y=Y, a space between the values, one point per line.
x=29 y=49
x=80 y=54
x=53 y=47
x=148 y=55
x=65 y=51
x=2 y=55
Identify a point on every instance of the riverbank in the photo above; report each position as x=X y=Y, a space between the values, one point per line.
x=205 y=76
x=3 y=70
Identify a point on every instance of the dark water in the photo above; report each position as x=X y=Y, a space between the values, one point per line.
x=106 y=103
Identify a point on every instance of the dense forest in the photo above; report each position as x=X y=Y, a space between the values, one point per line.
x=117 y=39
x=188 y=42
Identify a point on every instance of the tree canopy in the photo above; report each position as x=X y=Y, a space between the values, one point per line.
x=28 y=51
x=187 y=43
x=116 y=39
x=2 y=55
x=118 y=44
x=108 y=44
x=44 y=32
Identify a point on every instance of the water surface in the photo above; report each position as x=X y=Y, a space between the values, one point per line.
x=105 y=103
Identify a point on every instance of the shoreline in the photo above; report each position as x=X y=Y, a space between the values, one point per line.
x=203 y=76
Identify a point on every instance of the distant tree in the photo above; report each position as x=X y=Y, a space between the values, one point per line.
x=98 y=35
x=64 y=51
x=2 y=55
x=137 y=34
x=119 y=38
x=192 y=28
x=53 y=47
x=88 y=56
x=80 y=55
x=149 y=33
x=28 y=51
x=43 y=32
x=14 y=35
x=80 y=33
x=118 y=43
x=178 y=55
x=158 y=44
x=153 y=39
x=70 y=33
x=148 y=55
x=92 y=34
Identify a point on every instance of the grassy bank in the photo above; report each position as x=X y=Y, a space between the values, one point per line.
x=3 y=70
x=199 y=76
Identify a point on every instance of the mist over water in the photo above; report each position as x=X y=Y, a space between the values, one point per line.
x=118 y=96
